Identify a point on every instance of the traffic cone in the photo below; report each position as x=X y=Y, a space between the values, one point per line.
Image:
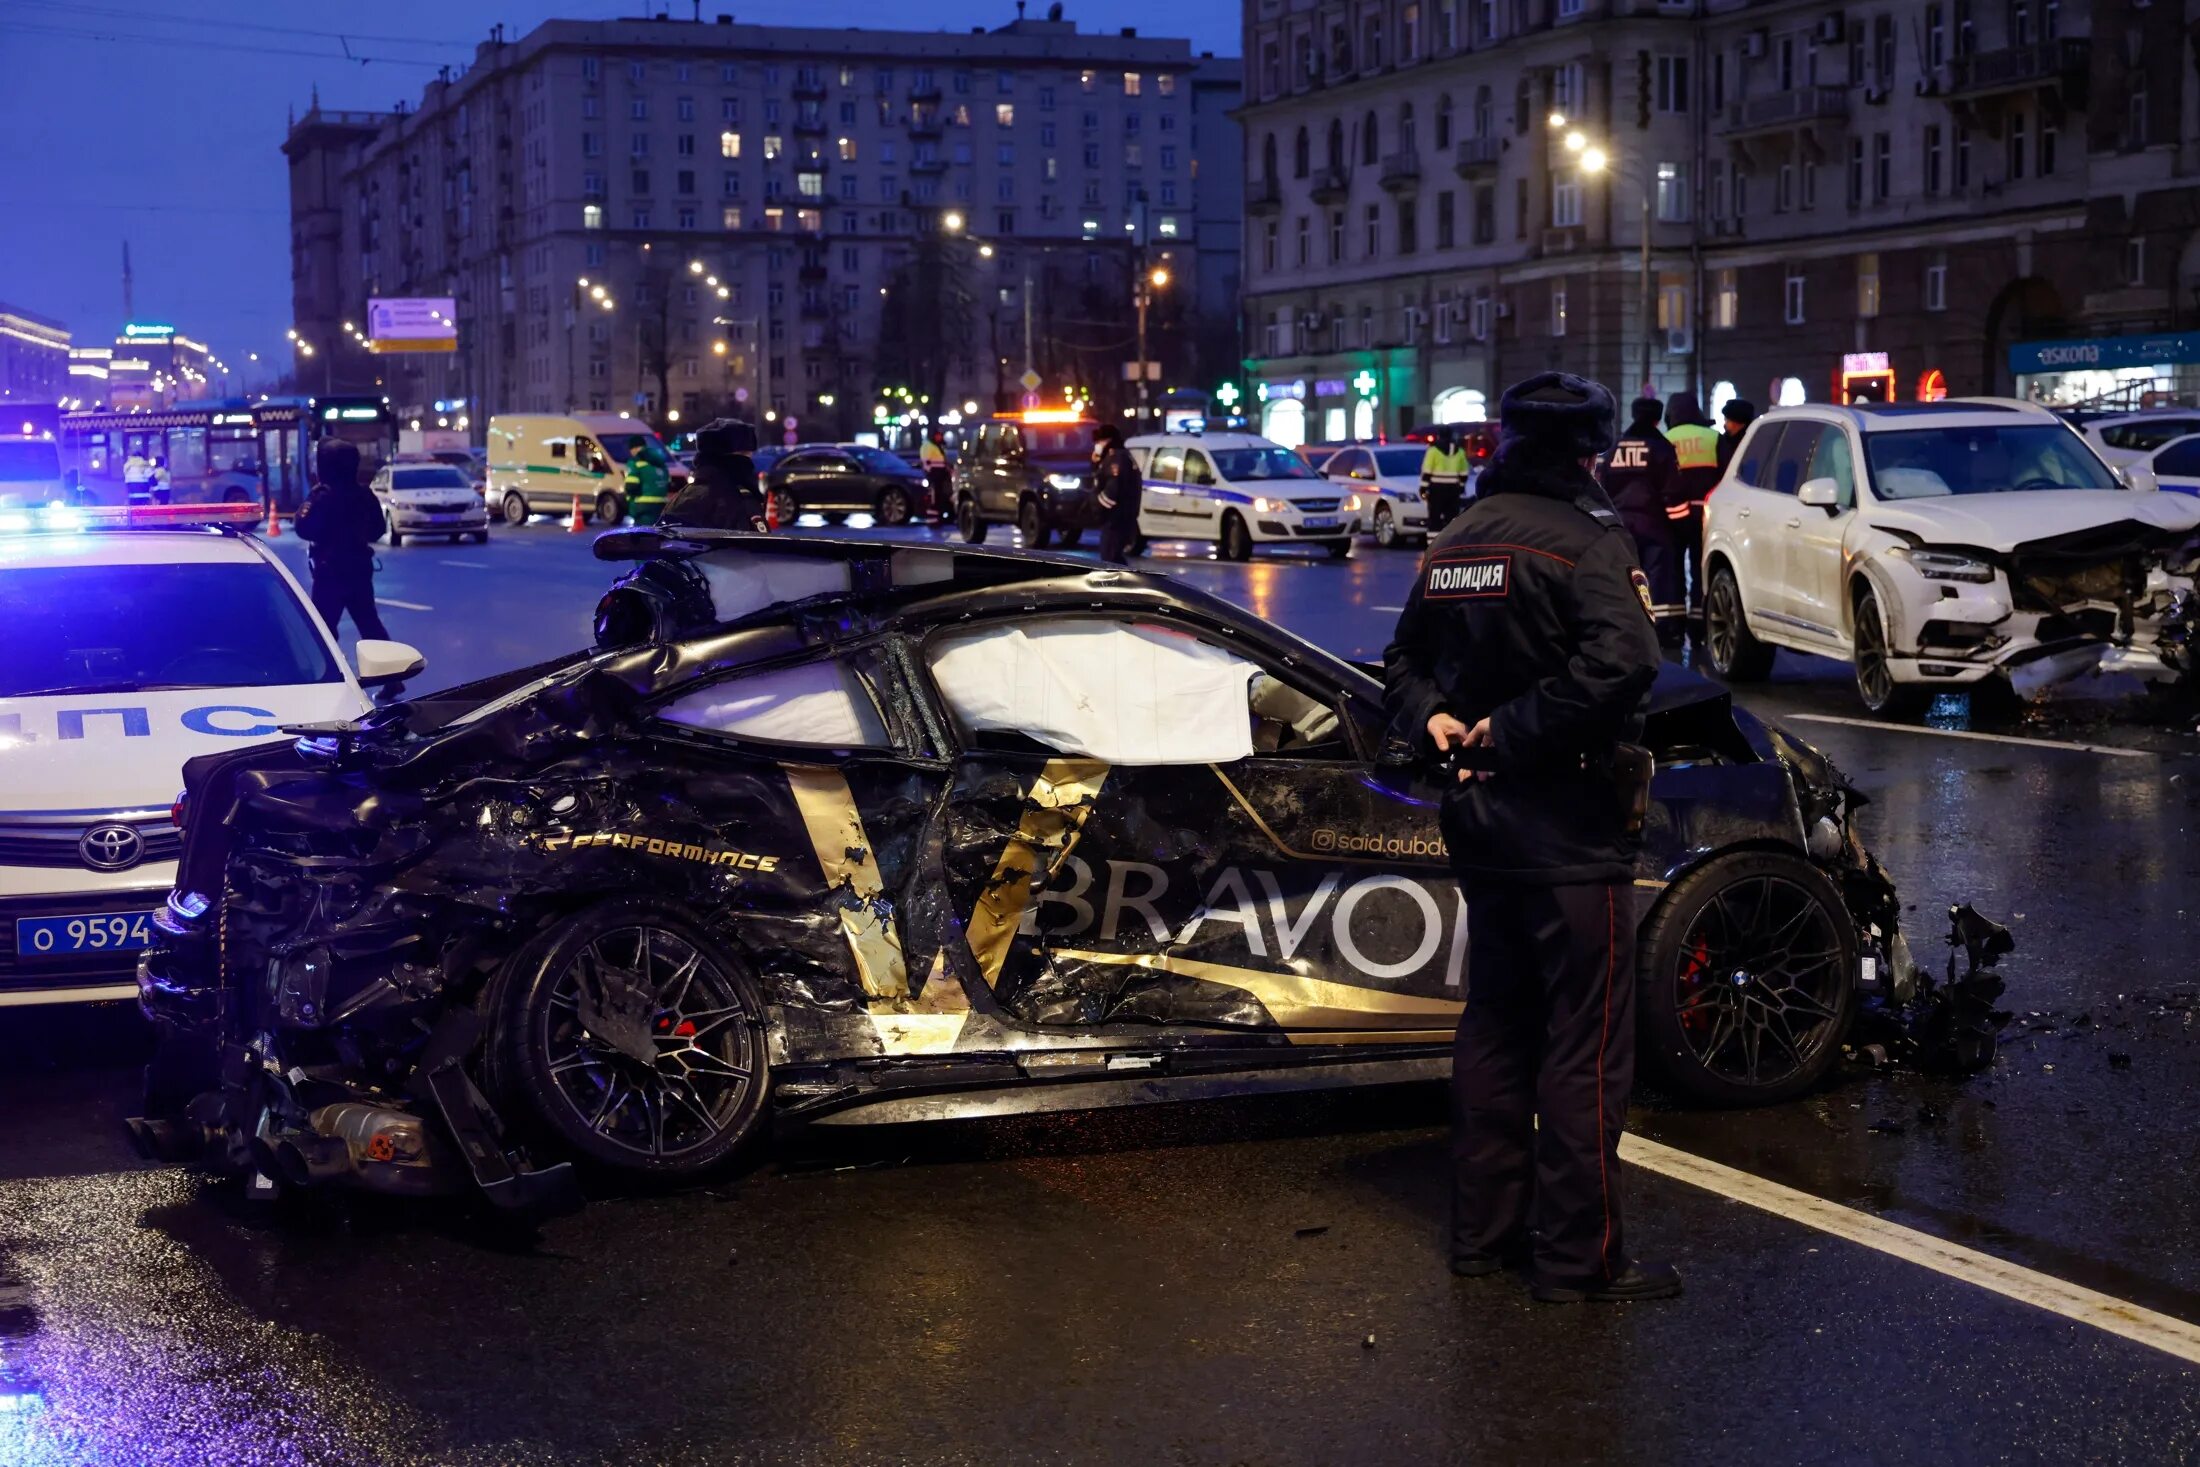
x=771 y=513
x=274 y=521
x=574 y=526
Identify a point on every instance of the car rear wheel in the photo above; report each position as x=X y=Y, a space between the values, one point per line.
x=1875 y=682
x=1237 y=541
x=968 y=523
x=632 y=1042
x=1735 y=655
x=1386 y=527
x=1031 y=522
x=514 y=507
x=784 y=507
x=893 y=506
x=1747 y=973
x=610 y=508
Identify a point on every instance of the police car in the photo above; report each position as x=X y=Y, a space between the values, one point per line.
x=135 y=639
x=1240 y=490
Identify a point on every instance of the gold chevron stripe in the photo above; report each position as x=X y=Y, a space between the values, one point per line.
x=1054 y=813
x=844 y=852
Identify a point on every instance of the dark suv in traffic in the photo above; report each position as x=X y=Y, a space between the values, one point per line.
x=1033 y=472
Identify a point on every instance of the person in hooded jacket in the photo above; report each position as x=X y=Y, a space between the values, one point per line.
x=1527 y=641
x=342 y=520
x=723 y=492
x=1641 y=475
x=1696 y=450
x=1735 y=419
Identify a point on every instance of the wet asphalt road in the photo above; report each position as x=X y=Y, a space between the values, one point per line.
x=1237 y=1282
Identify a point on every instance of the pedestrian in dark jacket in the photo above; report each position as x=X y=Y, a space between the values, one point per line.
x=1641 y=475
x=1527 y=640
x=1117 y=485
x=342 y=520
x=723 y=492
x=1735 y=417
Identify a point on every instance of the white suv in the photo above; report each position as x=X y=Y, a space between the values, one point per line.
x=1938 y=545
x=1240 y=490
x=127 y=652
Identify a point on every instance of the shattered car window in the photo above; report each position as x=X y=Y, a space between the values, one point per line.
x=1137 y=695
x=819 y=703
x=143 y=627
x=1925 y=463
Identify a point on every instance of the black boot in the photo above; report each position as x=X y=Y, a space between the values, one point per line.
x=1637 y=1281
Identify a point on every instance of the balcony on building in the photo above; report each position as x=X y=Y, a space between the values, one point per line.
x=2059 y=63
x=925 y=92
x=810 y=91
x=1263 y=196
x=1401 y=172
x=1330 y=186
x=811 y=125
x=812 y=272
x=928 y=165
x=1476 y=157
x=1786 y=111
x=926 y=122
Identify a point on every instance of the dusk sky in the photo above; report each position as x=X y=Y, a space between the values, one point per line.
x=162 y=123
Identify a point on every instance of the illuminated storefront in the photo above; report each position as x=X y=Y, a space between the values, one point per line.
x=1865 y=377
x=2124 y=371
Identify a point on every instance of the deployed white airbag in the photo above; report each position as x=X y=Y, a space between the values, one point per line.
x=742 y=581
x=1126 y=694
x=813 y=703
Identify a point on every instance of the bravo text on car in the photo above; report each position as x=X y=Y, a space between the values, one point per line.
x=1940 y=545
x=859 y=830
x=129 y=651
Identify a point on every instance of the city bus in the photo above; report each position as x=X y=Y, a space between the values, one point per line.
x=225 y=451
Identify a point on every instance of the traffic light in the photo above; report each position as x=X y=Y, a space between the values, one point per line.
x=1642 y=89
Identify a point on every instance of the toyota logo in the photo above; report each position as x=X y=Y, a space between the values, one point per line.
x=110 y=847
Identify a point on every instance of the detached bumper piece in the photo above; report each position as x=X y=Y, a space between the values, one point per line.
x=1948 y=1025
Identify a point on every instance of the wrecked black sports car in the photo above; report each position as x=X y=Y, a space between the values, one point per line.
x=851 y=830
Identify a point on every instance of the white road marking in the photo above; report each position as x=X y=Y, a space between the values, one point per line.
x=465 y=564
x=1995 y=1275
x=401 y=605
x=1386 y=608
x=1962 y=733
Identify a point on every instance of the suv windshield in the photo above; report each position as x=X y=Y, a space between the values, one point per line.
x=426 y=478
x=118 y=628
x=1927 y=463
x=1070 y=440
x=1240 y=464
x=24 y=460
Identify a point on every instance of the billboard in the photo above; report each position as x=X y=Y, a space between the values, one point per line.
x=412 y=323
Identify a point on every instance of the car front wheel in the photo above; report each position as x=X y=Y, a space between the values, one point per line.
x=389 y=527
x=1735 y=655
x=632 y=1042
x=1873 y=654
x=1386 y=527
x=610 y=508
x=514 y=507
x=968 y=523
x=1031 y=520
x=1237 y=541
x=893 y=507
x=1747 y=972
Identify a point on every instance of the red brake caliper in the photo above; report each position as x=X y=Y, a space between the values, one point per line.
x=1698 y=958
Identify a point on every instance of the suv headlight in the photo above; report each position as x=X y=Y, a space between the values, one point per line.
x=1946 y=565
x=1064 y=481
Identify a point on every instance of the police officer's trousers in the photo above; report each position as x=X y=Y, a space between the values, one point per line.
x=1444 y=498
x=339 y=589
x=1657 y=545
x=1544 y=1058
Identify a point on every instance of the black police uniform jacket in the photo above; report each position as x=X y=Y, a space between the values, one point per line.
x=1532 y=611
x=341 y=522
x=1642 y=478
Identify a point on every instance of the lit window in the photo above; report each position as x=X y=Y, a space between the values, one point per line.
x=730 y=216
x=591 y=216
x=1792 y=299
x=729 y=145
x=1558 y=311
x=1166 y=83
x=772 y=145
x=1004 y=113
x=1168 y=225
x=1130 y=83
x=1086 y=80
x=775 y=219
x=1867 y=285
x=847 y=150
x=811 y=221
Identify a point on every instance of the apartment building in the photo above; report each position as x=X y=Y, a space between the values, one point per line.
x=791 y=222
x=34 y=358
x=1796 y=199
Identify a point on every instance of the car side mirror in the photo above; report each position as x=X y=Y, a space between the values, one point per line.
x=1822 y=493
x=381 y=662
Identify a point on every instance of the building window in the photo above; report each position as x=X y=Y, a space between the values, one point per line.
x=1130 y=84
x=730 y=216
x=1672 y=84
x=1867 y=285
x=684 y=181
x=1673 y=192
x=591 y=145
x=1485 y=214
x=638 y=109
x=1936 y=286
x=1810 y=183
x=1933 y=160
x=1558 y=310
x=1478 y=318
x=2017 y=140
x=1726 y=298
x=1722 y=201
x=1409 y=35
x=591 y=216
x=687 y=218
x=1446 y=221
x=1306 y=242
x=1856 y=172
x=1963 y=160
x=1374 y=231
x=729 y=145
x=1336 y=235
x=1004 y=113
x=1268 y=246
x=1783 y=189
x=591 y=68
x=1882 y=166
x=1792 y=299
x=1673 y=314
x=1409 y=227
x=2135 y=260
x=1936 y=38
x=1565 y=203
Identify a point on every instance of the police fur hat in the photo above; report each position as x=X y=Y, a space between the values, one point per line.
x=725 y=437
x=1739 y=410
x=1559 y=415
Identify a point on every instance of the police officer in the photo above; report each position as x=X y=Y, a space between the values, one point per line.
x=1527 y=639
x=932 y=458
x=342 y=520
x=1735 y=417
x=1444 y=476
x=1641 y=476
x=1696 y=450
x=723 y=493
x=1118 y=486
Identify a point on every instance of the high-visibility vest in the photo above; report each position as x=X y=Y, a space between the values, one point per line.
x=1696 y=445
x=930 y=454
x=1440 y=463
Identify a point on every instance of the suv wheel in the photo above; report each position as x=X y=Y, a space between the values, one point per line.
x=1875 y=682
x=514 y=508
x=893 y=507
x=1735 y=655
x=966 y=520
x=1031 y=520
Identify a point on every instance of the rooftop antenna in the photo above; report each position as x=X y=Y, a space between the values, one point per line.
x=129 y=304
x=1019 y=10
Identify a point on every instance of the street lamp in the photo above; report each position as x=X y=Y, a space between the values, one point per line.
x=1149 y=281
x=952 y=222
x=583 y=289
x=1592 y=159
